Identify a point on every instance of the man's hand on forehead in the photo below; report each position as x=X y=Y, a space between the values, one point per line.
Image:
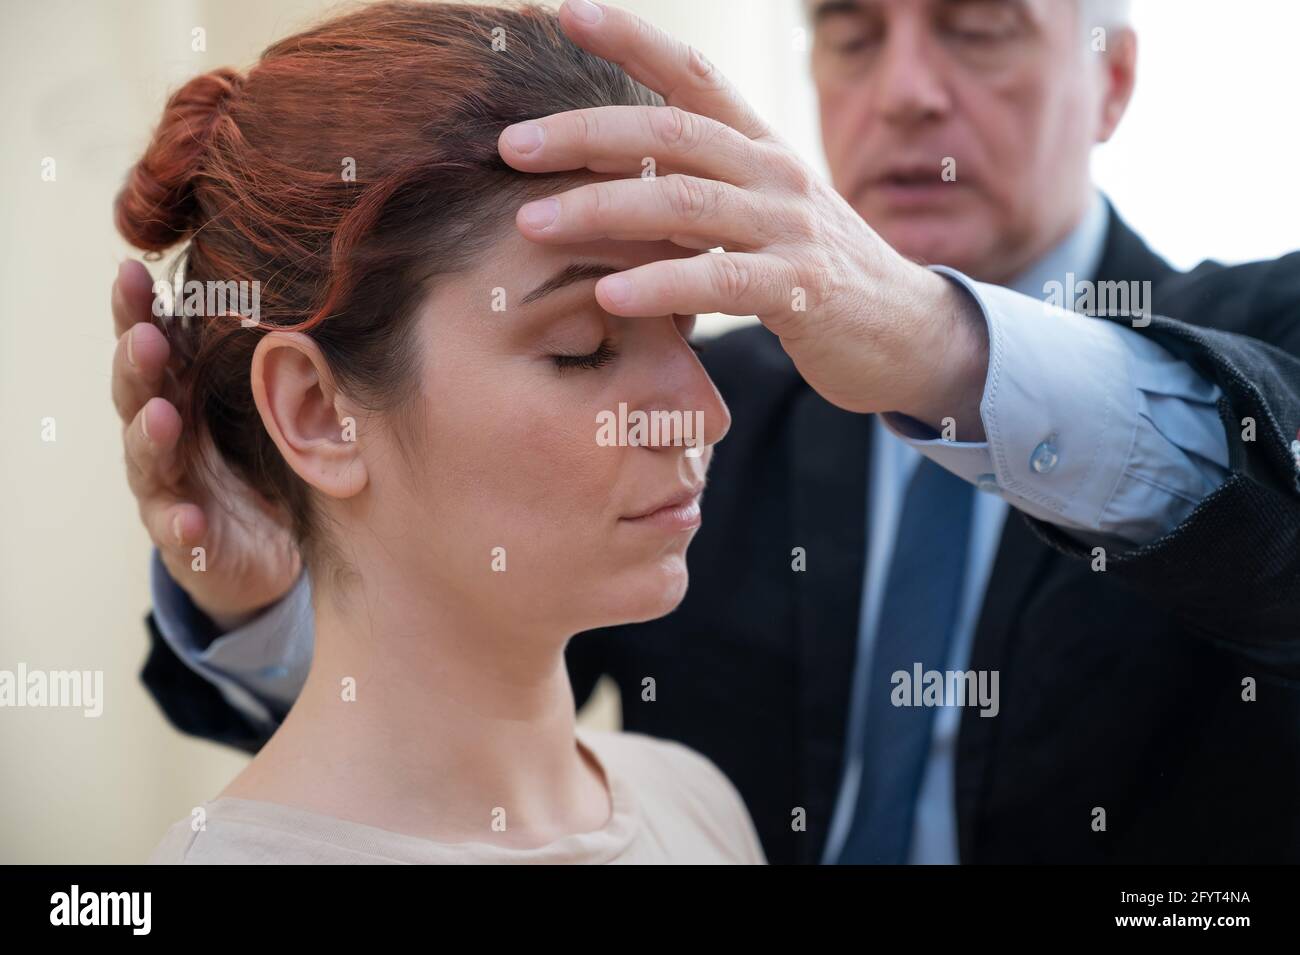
x=864 y=326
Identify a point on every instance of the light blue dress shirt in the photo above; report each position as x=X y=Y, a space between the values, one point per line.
x=1136 y=443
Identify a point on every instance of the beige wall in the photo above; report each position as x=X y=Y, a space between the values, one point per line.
x=84 y=83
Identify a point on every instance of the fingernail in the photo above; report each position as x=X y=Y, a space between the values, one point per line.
x=176 y=529
x=130 y=346
x=540 y=214
x=617 y=289
x=586 y=11
x=144 y=423
x=525 y=137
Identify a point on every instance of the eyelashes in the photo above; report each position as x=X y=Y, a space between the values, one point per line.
x=603 y=355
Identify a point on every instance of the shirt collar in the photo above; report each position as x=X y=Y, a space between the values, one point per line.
x=1078 y=253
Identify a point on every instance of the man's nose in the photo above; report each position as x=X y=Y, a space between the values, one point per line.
x=909 y=84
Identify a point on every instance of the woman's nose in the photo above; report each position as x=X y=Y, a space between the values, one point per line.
x=717 y=417
x=689 y=391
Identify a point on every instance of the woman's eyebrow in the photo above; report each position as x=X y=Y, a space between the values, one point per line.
x=573 y=272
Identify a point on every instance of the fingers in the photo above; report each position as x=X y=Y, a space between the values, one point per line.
x=152 y=424
x=150 y=442
x=619 y=139
x=669 y=67
x=175 y=527
x=733 y=283
x=695 y=213
x=132 y=296
x=139 y=366
x=153 y=472
x=140 y=359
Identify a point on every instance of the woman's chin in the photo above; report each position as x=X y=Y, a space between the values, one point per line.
x=652 y=592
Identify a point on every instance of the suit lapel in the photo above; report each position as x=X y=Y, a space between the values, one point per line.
x=828 y=514
x=1127 y=258
x=1021 y=562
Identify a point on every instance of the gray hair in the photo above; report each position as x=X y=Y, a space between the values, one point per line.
x=1105 y=13
x=1092 y=13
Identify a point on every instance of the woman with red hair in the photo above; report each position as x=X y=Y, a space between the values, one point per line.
x=418 y=396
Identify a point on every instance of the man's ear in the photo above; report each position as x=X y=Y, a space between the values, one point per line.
x=1119 y=66
x=305 y=414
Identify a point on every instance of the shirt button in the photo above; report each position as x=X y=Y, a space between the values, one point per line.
x=1044 y=458
x=987 y=483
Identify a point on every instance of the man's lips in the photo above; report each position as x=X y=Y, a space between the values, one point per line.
x=907 y=176
x=910 y=185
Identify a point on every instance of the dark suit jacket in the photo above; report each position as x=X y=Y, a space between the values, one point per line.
x=1119 y=689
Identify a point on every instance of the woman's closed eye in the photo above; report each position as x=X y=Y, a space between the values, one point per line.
x=605 y=353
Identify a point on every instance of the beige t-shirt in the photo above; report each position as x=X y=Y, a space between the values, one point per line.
x=670 y=805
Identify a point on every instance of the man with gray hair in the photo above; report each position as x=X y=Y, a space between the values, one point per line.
x=930 y=473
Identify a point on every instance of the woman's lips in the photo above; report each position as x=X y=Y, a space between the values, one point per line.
x=678 y=514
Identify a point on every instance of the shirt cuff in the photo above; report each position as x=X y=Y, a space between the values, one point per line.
x=260 y=667
x=1090 y=426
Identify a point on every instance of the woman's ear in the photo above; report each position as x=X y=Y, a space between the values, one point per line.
x=305 y=414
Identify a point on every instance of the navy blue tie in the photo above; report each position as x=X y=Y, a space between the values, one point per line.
x=917 y=618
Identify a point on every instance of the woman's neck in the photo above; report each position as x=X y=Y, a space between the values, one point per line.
x=416 y=719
